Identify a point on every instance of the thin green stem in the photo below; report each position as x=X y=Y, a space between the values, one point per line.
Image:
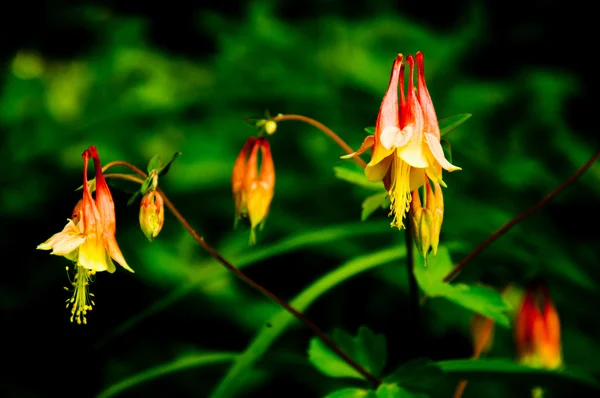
x=326 y=130
x=210 y=250
x=456 y=270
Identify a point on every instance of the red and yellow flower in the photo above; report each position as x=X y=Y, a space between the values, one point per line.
x=537 y=329
x=253 y=186
x=406 y=145
x=88 y=239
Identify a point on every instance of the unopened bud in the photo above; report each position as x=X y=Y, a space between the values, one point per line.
x=259 y=187
x=426 y=221
x=270 y=127
x=436 y=198
x=152 y=214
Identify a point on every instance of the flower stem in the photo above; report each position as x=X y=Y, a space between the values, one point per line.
x=210 y=250
x=413 y=289
x=328 y=132
x=456 y=270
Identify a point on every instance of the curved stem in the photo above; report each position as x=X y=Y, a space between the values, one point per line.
x=456 y=270
x=124 y=164
x=328 y=132
x=127 y=177
x=209 y=249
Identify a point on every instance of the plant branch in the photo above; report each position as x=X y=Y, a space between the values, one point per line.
x=127 y=177
x=456 y=270
x=328 y=132
x=210 y=250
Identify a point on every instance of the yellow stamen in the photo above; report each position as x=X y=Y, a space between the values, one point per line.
x=81 y=301
x=399 y=191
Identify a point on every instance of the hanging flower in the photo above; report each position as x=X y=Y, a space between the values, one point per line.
x=406 y=145
x=88 y=239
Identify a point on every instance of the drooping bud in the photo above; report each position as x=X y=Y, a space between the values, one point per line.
x=152 y=214
x=427 y=221
x=437 y=208
x=259 y=186
x=537 y=329
x=237 y=180
x=270 y=127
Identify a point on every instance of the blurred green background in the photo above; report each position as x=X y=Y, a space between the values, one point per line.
x=137 y=80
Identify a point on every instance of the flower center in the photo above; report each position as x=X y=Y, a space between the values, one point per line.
x=81 y=302
x=399 y=191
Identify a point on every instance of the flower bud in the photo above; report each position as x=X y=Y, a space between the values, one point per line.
x=237 y=180
x=537 y=329
x=270 y=127
x=427 y=221
x=152 y=214
x=259 y=186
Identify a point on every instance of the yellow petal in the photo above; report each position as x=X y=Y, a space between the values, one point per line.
x=68 y=245
x=380 y=153
x=438 y=152
x=417 y=178
x=92 y=255
x=367 y=143
x=413 y=154
x=58 y=237
x=376 y=172
x=110 y=266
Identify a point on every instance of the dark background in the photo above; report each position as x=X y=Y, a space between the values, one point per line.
x=138 y=79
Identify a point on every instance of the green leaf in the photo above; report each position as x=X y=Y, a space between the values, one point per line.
x=165 y=169
x=395 y=391
x=370 y=130
x=480 y=299
x=420 y=374
x=367 y=349
x=450 y=123
x=374 y=202
x=504 y=370
x=283 y=319
x=154 y=164
x=357 y=177
x=351 y=393
x=447 y=148
x=184 y=362
x=133 y=198
x=389 y=391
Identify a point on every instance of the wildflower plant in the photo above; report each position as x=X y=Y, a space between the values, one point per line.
x=409 y=155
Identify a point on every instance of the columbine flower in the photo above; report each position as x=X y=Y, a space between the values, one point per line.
x=259 y=187
x=152 y=214
x=427 y=221
x=253 y=190
x=88 y=239
x=537 y=329
x=406 y=145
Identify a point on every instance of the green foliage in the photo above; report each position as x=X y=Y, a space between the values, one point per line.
x=374 y=202
x=357 y=177
x=351 y=393
x=283 y=319
x=510 y=372
x=480 y=299
x=450 y=123
x=368 y=349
